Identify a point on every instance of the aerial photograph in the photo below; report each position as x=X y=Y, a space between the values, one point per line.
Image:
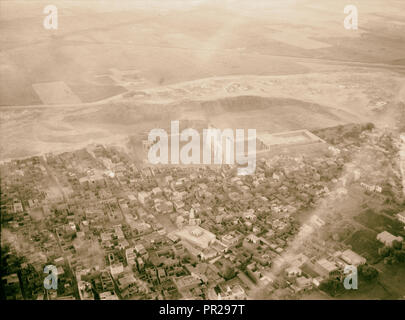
x=208 y=150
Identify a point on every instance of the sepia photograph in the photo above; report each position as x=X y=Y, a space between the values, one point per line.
x=203 y=154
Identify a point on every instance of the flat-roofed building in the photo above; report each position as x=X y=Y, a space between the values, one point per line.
x=140 y=249
x=289 y=142
x=143 y=197
x=293 y=272
x=108 y=295
x=401 y=217
x=116 y=269
x=232 y=238
x=289 y=138
x=130 y=256
x=326 y=267
x=387 y=238
x=228 y=292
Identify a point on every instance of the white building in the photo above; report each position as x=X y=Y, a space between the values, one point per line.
x=234 y=292
x=293 y=272
x=108 y=295
x=116 y=269
x=401 y=216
